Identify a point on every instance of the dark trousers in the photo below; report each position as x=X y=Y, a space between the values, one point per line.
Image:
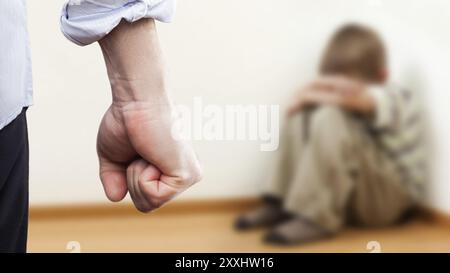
x=14 y=185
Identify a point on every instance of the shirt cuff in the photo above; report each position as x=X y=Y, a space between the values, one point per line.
x=383 y=107
x=87 y=21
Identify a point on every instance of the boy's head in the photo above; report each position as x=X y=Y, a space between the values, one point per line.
x=358 y=52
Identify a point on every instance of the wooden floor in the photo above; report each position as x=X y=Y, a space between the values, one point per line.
x=211 y=232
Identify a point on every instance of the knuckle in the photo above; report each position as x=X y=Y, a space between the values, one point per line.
x=192 y=176
x=156 y=203
x=144 y=209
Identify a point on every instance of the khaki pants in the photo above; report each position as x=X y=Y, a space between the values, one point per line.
x=331 y=171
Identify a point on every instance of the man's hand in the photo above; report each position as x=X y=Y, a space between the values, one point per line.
x=334 y=90
x=147 y=191
x=138 y=124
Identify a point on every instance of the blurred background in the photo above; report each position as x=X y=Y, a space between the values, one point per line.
x=225 y=52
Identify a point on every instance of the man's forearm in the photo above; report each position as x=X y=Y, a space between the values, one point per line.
x=134 y=63
x=140 y=99
x=138 y=150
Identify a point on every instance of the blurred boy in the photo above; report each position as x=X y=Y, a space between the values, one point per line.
x=352 y=150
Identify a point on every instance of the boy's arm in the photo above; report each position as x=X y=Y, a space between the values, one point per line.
x=386 y=106
x=361 y=102
x=349 y=94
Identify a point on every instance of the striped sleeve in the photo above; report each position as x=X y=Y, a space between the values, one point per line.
x=87 y=21
x=401 y=130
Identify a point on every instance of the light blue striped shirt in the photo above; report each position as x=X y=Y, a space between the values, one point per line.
x=82 y=21
x=15 y=65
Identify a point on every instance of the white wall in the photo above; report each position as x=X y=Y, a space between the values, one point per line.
x=227 y=52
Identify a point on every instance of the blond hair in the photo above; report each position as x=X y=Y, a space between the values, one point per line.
x=357 y=51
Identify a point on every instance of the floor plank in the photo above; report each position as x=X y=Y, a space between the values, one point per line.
x=212 y=232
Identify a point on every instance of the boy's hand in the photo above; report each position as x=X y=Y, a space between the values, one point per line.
x=317 y=92
x=338 y=84
x=334 y=90
x=351 y=93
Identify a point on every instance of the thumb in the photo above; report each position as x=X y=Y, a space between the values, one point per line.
x=113 y=177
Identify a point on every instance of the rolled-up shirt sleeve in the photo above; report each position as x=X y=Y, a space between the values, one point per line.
x=87 y=21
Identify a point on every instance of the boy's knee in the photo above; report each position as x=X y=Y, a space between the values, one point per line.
x=328 y=119
x=330 y=129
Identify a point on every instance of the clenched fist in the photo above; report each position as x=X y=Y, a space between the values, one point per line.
x=137 y=150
